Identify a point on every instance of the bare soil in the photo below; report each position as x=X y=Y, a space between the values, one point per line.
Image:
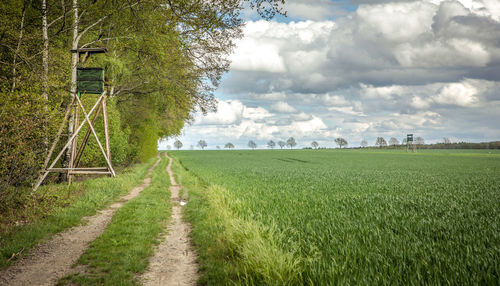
x=174 y=261
x=53 y=259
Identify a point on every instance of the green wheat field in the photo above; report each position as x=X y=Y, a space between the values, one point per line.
x=365 y=216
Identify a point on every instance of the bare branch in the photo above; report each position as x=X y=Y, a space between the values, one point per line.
x=104 y=18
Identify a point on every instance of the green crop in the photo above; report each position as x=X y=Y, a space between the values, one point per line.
x=368 y=217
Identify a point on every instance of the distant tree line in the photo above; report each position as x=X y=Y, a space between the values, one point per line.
x=380 y=142
x=464 y=145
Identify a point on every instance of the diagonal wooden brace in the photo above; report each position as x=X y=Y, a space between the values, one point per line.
x=70 y=140
x=96 y=138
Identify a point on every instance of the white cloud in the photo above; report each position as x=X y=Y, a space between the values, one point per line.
x=228 y=112
x=397 y=123
x=265 y=43
x=486 y=8
x=419 y=103
x=302 y=116
x=455 y=52
x=251 y=55
x=231 y=112
x=283 y=107
x=269 y=96
x=304 y=10
x=462 y=94
x=357 y=127
x=256 y=113
x=334 y=100
x=492 y=8
x=445 y=13
x=303 y=128
x=347 y=110
x=398 y=22
x=312 y=9
x=384 y=92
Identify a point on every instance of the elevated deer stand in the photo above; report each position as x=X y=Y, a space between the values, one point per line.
x=409 y=143
x=90 y=81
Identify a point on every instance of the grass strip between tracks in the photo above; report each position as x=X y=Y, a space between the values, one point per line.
x=89 y=196
x=232 y=249
x=123 y=250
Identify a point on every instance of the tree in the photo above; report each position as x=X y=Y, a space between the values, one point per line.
x=341 y=142
x=446 y=142
x=419 y=141
x=291 y=142
x=314 y=144
x=178 y=144
x=364 y=143
x=217 y=147
x=271 y=144
x=282 y=144
x=393 y=141
x=380 y=142
x=202 y=144
x=229 y=145
x=252 y=144
x=169 y=147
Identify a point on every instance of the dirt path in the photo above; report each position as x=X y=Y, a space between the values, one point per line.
x=53 y=259
x=174 y=261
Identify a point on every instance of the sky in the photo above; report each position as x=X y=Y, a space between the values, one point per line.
x=359 y=70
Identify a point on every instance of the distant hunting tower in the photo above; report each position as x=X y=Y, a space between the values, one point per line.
x=89 y=81
x=409 y=142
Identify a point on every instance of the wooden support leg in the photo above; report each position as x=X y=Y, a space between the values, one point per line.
x=97 y=138
x=106 y=130
x=74 y=144
x=85 y=139
x=68 y=144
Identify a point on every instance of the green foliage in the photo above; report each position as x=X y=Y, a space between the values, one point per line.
x=22 y=126
x=143 y=126
x=352 y=217
x=124 y=248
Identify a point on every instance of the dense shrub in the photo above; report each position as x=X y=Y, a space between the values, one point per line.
x=22 y=129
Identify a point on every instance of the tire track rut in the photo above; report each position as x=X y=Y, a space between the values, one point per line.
x=174 y=261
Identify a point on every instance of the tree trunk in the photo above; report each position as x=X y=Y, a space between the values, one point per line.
x=18 y=47
x=68 y=160
x=45 y=72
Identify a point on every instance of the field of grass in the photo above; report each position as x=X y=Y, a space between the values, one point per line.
x=344 y=216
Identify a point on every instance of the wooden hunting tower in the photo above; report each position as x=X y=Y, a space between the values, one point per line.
x=89 y=80
x=409 y=142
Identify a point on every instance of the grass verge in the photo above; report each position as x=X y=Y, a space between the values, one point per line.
x=231 y=249
x=124 y=248
x=63 y=210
